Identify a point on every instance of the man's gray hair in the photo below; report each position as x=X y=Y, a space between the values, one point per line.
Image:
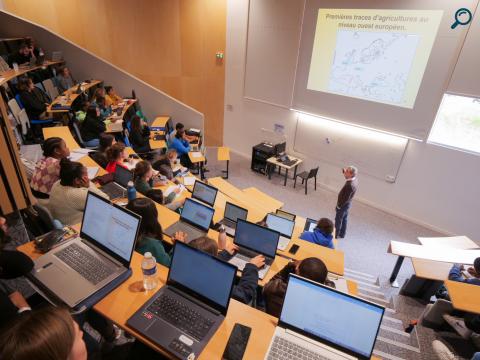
x=353 y=170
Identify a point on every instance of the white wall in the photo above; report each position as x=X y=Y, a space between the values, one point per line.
x=435 y=186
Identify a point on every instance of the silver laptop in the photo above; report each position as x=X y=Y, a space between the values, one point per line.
x=253 y=240
x=285 y=214
x=205 y=193
x=230 y=216
x=103 y=251
x=284 y=226
x=318 y=322
x=195 y=220
x=118 y=188
x=183 y=315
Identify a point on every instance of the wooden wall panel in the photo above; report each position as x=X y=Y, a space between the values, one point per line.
x=170 y=44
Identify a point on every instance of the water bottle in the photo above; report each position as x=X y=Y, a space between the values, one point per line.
x=131 y=191
x=149 y=270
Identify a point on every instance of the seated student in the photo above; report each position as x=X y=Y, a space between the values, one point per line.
x=157 y=196
x=190 y=138
x=64 y=79
x=13 y=264
x=144 y=178
x=100 y=156
x=274 y=291
x=150 y=238
x=99 y=92
x=47 y=333
x=81 y=114
x=166 y=164
x=68 y=195
x=457 y=275
x=139 y=135
x=105 y=111
x=22 y=56
x=321 y=235
x=33 y=99
x=111 y=97
x=116 y=155
x=246 y=288
x=47 y=169
x=92 y=127
x=182 y=147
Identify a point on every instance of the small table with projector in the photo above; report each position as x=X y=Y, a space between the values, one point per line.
x=286 y=162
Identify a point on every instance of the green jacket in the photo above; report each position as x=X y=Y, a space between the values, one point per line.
x=154 y=246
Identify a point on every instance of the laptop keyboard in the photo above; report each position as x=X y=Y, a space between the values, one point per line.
x=181 y=316
x=283 y=349
x=87 y=265
x=113 y=190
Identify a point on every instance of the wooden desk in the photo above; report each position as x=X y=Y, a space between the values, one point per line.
x=456 y=242
x=333 y=259
x=269 y=201
x=69 y=96
x=223 y=153
x=62 y=132
x=434 y=253
x=241 y=196
x=431 y=270
x=11 y=74
x=273 y=162
x=464 y=296
x=160 y=121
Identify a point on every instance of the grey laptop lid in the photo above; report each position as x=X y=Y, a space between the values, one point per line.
x=197 y=214
x=234 y=212
x=344 y=322
x=122 y=176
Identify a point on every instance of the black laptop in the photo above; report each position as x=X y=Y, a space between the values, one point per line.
x=205 y=193
x=183 y=315
x=118 y=188
x=230 y=216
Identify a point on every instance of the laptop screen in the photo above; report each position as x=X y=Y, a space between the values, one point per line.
x=285 y=215
x=343 y=321
x=280 y=224
x=113 y=227
x=234 y=212
x=256 y=238
x=204 y=192
x=197 y=213
x=213 y=279
x=122 y=176
x=310 y=225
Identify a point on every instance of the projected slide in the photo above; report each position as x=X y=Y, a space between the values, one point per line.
x=376 y=55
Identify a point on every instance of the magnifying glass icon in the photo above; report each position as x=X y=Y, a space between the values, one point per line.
x=463 y=16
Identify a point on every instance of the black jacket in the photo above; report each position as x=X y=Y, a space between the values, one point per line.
x=34 y=102
x=345 y=195
x=92 y=128
x=246 y=288
x=140 y=140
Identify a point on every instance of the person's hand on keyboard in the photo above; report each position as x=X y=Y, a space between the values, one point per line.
x=258 y=261
x=180 y=236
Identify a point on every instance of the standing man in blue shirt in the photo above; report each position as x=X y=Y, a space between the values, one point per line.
x=344 y=202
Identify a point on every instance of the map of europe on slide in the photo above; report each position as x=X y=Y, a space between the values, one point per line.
x=372 y=65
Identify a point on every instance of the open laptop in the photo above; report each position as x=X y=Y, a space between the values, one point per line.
x=310 y=225
x=103 y=251
x=286 y=215
x=183 y=315
x=343 y=327
x=205 y=193
x=195 y=220
x=283 y=226
x=118 y=188
x=253 y=240
x=230 y=216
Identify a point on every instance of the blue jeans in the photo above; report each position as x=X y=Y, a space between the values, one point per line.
x=341 y=219
x=92 y=143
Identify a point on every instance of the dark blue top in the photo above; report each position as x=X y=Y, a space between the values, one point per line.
x=456 y=275
x=319 y=238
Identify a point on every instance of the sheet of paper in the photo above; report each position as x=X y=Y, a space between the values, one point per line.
x=189 y=180
x=82 y=150
x=195 y=130
x=456 y=242
x=197 y=154
x=92 y=171
x=170 y=189
x=75 y=156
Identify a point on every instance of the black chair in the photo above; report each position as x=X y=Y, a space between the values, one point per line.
x=305 y=176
